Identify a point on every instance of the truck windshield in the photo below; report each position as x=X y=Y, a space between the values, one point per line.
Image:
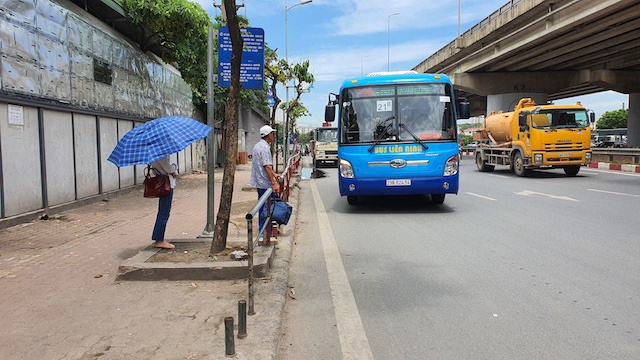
x=397 y=113
x=328 y=135
x=560 y=119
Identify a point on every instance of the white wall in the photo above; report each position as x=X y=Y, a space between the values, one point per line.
x=126 y=172
x=86 y=155
x=58 y=140
x=108 y=140
x=22 y=182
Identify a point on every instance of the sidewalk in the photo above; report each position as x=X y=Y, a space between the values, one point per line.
x=60 y=300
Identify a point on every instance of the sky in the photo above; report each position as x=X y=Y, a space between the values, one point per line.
x=347 y=38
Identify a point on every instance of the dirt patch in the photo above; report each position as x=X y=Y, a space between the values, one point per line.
x=193 y=252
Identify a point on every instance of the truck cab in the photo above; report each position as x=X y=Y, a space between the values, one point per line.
x=324 y=147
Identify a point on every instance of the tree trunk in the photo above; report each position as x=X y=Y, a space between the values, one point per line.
x=221 y=228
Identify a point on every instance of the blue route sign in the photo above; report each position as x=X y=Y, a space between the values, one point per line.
x=252 y=67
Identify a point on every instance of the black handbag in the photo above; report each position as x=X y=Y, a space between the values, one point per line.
x=156 y=186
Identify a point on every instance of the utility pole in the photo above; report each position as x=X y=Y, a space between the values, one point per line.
x=211 y=139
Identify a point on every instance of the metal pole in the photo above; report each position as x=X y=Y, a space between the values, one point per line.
x=285 y=133
x=251 y=280
x=230 y=348
x=389 y=40
x=458 y=19
x=242 y=319
x=211 y=163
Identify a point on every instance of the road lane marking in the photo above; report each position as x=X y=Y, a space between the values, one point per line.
x=499 y=176
x=353 y=340
x=480 y=196
x=613 y=193
x=529 y=193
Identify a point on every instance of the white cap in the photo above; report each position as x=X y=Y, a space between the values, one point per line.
x=265 y=130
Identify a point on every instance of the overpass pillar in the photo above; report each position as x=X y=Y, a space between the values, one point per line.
x=507 y=102
x=633 y=125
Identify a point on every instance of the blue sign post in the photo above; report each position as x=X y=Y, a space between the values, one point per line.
x=252 y=67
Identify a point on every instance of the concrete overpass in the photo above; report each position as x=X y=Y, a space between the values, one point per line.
x=547 y=50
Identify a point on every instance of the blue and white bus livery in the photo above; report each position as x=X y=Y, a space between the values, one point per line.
x=397 y=135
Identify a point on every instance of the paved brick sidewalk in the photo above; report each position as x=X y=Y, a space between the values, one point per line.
x=59 y=299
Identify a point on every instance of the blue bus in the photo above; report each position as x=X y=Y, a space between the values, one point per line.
x=397 y=135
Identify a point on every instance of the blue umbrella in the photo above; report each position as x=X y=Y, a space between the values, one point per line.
x=156 y=139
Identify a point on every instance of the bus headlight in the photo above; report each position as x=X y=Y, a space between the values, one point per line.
x=537 y=158
x=451 y=167
x=588 y=157
x=346 y=170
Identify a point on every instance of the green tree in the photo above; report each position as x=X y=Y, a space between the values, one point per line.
x=465 y=139
x=278 y=71
x=177 y=30
x=299 y=74
x=613 y=119
x=304 y=139
x=466 y=126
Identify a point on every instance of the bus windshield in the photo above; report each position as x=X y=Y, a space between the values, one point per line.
x=397 y=113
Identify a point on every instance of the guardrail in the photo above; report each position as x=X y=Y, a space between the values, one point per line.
x=611 y=155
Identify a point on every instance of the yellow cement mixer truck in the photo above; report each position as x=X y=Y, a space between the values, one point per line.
x=536 y=137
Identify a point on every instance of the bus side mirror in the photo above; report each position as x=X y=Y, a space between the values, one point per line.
x=465 y=110
x=592 y=117
x=329 y=113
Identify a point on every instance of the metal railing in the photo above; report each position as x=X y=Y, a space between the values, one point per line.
x=267 y=230
x=614 y=155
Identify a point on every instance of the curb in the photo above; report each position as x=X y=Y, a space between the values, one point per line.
x=140 y=268
x=618 y=167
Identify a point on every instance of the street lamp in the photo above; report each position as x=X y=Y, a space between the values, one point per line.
x=389 y=40
x=362 y=64
x=285 y=133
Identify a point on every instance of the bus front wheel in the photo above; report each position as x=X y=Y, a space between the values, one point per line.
x=437 y=198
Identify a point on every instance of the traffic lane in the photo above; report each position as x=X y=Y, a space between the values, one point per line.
x=443 y=279
x=605 y=199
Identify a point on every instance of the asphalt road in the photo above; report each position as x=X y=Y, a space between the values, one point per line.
x=543 y=267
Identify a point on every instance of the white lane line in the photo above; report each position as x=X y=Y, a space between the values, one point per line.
x=353 y=340
x=480 y=196
x=529 y=193
x=499 y=176
x=613 y=192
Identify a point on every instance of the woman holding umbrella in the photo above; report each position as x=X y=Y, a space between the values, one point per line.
x=164 y=204
x=152 y=143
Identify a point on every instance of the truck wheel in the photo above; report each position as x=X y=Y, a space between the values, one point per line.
x=518 y=165
x=572 y=170
x=437 y=198
x=482 y=165
x=352 y=200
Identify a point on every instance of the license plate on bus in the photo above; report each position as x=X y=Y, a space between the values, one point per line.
x=399 y=182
